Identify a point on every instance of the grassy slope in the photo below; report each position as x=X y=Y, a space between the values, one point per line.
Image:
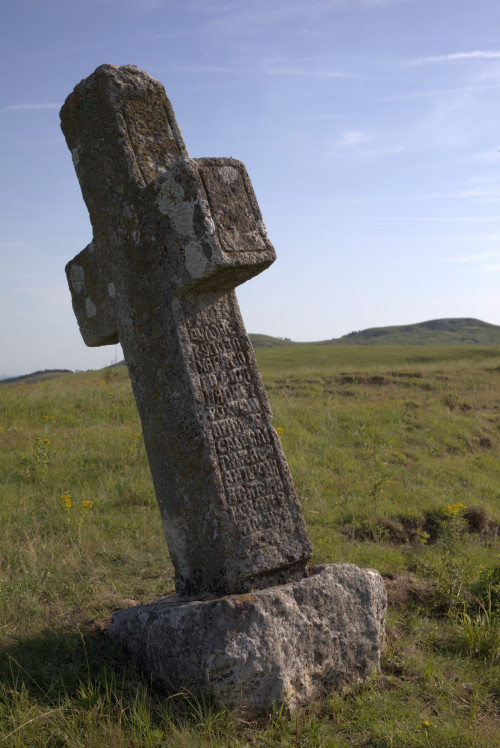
x=435 y=332
x=383 y=444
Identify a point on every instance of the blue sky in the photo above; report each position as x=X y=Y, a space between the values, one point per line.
x=370 y=130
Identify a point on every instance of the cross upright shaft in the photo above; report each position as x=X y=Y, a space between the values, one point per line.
x=172 y=237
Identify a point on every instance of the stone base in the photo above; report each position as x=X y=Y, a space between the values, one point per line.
x=293 y=643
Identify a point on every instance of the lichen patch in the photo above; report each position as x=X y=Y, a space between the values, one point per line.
x=229 y=174
x=170 y=202
x=90 y=307
x=196 y=261
x=77 y=277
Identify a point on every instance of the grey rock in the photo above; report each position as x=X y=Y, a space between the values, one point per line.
x=291 y=643
x=172 y=237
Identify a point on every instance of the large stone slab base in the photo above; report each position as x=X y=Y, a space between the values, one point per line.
x=293 y=643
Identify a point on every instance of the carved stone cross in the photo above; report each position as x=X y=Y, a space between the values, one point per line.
x=172 y=237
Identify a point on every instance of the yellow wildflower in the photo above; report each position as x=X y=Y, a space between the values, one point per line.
x=453 y=508
x=66 y=500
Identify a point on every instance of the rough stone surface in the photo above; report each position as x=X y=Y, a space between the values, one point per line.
x=172 y=237
x=293 y=643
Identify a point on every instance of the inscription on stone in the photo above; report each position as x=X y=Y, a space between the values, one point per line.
x=172 y=238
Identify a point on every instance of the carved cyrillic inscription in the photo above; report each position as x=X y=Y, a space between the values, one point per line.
x=253 y=488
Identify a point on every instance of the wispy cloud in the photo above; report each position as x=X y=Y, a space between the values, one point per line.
x=361 y=144
x=456 y=56
x=262 y=70
x=486 y=157
x=293 y=71
x=473 y=257
x=234 y=16
x=483 y=195
x=36 y=143
x=30 y=107
x=438 y=92
x=349 y=138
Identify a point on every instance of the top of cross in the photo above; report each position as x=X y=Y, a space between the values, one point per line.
x=120 y=122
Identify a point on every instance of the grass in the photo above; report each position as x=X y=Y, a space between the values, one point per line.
x=395 y=456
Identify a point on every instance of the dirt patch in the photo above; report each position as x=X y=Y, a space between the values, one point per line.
x=375 y=379
x=406 y=590
x=426 y=529
x=480 y=523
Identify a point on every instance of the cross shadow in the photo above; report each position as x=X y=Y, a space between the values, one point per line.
x=55 y=664
x=85 y=668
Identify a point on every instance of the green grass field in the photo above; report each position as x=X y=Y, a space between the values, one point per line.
x=395 y=453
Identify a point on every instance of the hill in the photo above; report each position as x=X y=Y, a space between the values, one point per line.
x=36 y=376
x=452 y=331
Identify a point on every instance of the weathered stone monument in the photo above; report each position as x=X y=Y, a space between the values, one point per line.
x=172 y=238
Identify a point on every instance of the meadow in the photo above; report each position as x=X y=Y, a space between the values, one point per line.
x=395 y=454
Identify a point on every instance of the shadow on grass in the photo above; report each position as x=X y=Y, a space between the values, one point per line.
x=54 y=665
x=84 y=673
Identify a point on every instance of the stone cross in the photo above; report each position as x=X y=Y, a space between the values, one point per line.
x=172 y=238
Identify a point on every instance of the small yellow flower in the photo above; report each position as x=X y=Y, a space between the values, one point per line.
x=46 y=441
x=66 y=500
x=425 y=723
x=453 y=508
x=68 y=503
x=136 y=436
x=87 y=504
x=38 y=440
x=280 y=431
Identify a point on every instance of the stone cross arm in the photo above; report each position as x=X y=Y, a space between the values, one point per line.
x=202 y=215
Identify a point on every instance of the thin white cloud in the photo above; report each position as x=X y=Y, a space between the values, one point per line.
x=377 y=3
x=491 y=268
x=360 y=144
x=349 y=138
x=472 y=257
x=233 y=16
x=481 y=194
x=264 y=70
x=307 y=73
x=30 y=107
x=437 y=92
x=457 y=56
x=485 y=157
x=420 y=219
x=37 y=143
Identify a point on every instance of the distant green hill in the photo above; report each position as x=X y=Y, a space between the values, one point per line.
x=267 y=341
x=453 y=331
x=36 y=376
